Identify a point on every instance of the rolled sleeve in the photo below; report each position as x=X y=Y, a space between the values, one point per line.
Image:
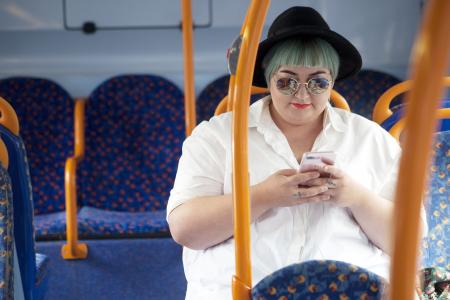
x=200 y=169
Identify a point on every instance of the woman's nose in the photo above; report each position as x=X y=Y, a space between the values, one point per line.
x=302 y=91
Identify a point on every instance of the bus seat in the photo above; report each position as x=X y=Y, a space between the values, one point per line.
x=399 y=111
x=134 y=130
x=45 y=112
x=363 y=90
x=6 y=237
x=210 y=97
x=212 y=94
x=24 y=237
x=436 y=245
x=325 y=279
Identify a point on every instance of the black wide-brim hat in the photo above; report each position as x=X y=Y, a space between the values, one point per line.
x=304 y=22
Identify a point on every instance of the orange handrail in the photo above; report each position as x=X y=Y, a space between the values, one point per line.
x=381 y=111
x=251 y=33
x=396 y=130
x=73 y=249
x=189 y=89
x=4 y=157
x=8 y=117
x=231 y=87
x=339 y=100
x=429 y=63
x=224 y=104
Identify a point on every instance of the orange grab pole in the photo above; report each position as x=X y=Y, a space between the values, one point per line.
x=396 y=130
x=189 y=90
x=4 y=158
x=231 y=87
x=8 y=117
x=382 y=111
x=339 y=101
x=73 y=249
x=242 y=281
x=429 y=63
x=224 y=104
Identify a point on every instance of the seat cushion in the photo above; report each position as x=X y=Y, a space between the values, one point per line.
x=50 y=226
x=94 y=222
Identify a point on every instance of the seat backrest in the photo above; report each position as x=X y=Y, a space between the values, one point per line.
x=133 y=134
x=212 y=94
x=398 y=112
x=45 y=112
x=363 y=90
x=436 y=246
x=23 y=206
x=320 y=280
x=6 y=237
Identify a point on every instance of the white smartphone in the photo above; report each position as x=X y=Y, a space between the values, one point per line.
x=310 y=160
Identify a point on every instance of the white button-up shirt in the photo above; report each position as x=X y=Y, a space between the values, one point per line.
x=284 y=235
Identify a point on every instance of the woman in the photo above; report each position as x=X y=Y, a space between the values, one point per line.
x=341 y=211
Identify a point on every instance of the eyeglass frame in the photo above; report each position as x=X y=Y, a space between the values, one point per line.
x=299 y=84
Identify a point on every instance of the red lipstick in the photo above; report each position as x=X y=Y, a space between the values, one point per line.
x=301 y=106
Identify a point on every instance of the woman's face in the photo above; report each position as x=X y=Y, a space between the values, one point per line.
x=305 y=105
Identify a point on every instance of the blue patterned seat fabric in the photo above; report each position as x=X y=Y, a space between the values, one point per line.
x=363 y=90
x=6 y=237
x=436 y=246
x=331 y=280
x=95 y=222
x=18 y=171
x=134 y=133
x=399 y=111
x=212 y=94
x=45 y=112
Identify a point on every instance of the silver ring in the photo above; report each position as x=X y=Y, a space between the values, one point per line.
x=331 y=184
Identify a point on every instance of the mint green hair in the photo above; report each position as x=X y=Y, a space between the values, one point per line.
x=314 y=52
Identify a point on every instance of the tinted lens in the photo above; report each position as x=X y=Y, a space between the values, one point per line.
x=287 y=86
x=318 y=85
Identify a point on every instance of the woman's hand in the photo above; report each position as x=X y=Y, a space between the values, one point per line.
x=287 y=188
x=342 y=189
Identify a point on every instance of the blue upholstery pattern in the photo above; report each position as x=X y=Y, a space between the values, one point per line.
x=6 y=237
x=399 y=111
x=363 y=90
x=94 y=222
x=331 y=280
x=45 y=112
x=23 y=213
x=210 y=97
x=50 y=226
x=23 y=209
x=212 y=94
x=134 y=134
x=436 y=246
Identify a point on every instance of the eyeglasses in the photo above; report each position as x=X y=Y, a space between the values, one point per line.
x=289 y=86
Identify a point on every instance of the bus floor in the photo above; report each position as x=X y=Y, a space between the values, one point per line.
x=117 y=269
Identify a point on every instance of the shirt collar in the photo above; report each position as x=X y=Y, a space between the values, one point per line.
x=333 y=119
x=259 y=112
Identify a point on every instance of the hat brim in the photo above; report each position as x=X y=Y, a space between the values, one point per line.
x=350 y=59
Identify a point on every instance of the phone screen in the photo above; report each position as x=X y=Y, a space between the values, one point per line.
x=310 y=160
